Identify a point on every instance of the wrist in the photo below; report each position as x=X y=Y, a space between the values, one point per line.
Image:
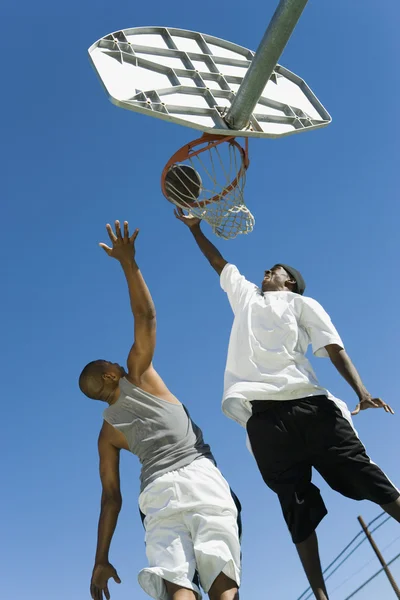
x=101 y=559
x=128 y=263
x=195 y=228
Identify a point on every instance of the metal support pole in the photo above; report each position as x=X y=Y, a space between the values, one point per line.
x=264 y=62
x=380 y=557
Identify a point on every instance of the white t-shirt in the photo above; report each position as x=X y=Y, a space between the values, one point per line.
x=270 y=335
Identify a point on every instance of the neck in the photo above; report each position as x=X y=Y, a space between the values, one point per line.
x=277 y=289
x=112 y=396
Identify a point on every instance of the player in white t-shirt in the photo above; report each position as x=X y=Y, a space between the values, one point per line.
x=294 y=424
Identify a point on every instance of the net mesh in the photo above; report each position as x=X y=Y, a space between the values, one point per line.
x=218 y=199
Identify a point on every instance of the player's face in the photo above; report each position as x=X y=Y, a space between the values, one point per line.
x=275 y=279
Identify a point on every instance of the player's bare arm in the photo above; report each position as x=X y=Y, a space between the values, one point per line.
x=139 y=362
x=123 y=249
x=211 y=253
x=344 y=365
x=111 y=502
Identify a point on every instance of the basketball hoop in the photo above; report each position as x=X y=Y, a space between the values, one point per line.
x=219 y=88
x=206 y=178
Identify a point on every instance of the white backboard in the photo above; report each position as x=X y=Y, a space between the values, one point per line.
x=191 y=79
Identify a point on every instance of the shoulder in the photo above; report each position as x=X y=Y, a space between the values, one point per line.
x=231 y=278
x=106 y=434
x=110 y=439
x=308 y=303
x=229 y=270
x=314 y=315
x=151 y=383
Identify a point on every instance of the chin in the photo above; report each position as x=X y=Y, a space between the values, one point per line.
x=269 y=288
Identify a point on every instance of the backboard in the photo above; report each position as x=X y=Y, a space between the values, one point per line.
x=191 y=79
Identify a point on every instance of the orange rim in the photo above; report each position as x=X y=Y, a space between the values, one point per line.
x=211 y=140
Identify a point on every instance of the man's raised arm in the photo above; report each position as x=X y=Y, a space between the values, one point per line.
x=211 y=253
x=143 y=309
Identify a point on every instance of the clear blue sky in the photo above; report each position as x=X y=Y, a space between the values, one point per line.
x=326 y=202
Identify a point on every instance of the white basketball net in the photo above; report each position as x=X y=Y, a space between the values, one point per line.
x=218 y=166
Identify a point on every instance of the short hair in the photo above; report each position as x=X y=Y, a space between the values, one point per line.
x=91 y=382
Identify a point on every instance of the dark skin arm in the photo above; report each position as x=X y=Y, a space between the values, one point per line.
x=143 y=309
x=343 y=364
x=141 y=373
x=111 y=502
x=140 y=369
x=211 y=253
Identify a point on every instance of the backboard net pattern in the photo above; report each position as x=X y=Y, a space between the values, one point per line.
x=191 y=78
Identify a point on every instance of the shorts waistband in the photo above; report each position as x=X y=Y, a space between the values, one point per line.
x=263 y=405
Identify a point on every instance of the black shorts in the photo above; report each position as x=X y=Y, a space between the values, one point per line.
x=288 y=438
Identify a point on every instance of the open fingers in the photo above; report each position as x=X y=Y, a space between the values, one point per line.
x=379 y=403
x=126 y=231
x=178 y=212
x=105 y=248
x=111 y=233
x=106 y=592
x=118 y=230
x=96 y=592
x=116 y=577
x=375 y=403
x=134 y=235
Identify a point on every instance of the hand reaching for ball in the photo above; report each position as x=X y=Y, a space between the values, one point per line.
x=189 y=220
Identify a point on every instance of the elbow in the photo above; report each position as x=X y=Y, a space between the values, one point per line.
x=218 y=263
x=335 y=352
x=148 y=316
x=111 y=500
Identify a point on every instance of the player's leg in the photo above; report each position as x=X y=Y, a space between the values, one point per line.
x=223 y=588
x=175 y=592
x=309 y=556
x=393 y=509
x=341 y=459
x=279 y=446
x=169 y=548
x=212 y=515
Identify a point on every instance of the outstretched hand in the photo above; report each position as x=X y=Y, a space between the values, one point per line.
x=369 y=402
x=189 y=219
x=123 y=247
x=99 y=583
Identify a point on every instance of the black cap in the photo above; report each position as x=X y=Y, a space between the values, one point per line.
x=297 y=276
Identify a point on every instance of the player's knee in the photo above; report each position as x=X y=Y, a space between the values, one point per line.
x=303 y=511
x=177 y=592
x=224 y=588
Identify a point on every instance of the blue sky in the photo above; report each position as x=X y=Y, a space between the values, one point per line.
x=325 y=202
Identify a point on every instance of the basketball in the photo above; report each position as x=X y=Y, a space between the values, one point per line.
x=182 y=184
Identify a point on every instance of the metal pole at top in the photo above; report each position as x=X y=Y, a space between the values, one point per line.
x=264 y=62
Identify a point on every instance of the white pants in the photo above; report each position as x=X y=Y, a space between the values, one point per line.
x=191 y=525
